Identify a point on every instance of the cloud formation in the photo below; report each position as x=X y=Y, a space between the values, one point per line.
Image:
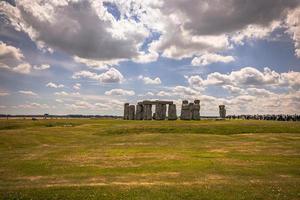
x=12 y=58
x=150 y=81
x=77 y=86
x=110 y=76
x=41 y=67
x=54 y=85
x=207 y=59
x=28 y=92
x=81 y=28
x=88 y=31
x=248 y=76
x=120 y=92
x=293 y=22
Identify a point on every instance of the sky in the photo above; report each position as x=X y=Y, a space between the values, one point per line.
x=92 y=56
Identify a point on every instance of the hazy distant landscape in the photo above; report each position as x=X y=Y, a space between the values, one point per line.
x=117 y=159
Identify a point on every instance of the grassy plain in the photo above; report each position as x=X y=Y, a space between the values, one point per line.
x=116 y=159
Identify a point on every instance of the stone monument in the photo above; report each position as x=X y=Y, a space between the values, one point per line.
x=222 y=111
x=139 y=115
x=147 y=111
x=196 y=110
x=172 y=113
x=131 y=112
x=126 y=111
x=185 y=110
x=143 y=110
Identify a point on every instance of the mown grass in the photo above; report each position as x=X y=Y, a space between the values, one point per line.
x=116 y=159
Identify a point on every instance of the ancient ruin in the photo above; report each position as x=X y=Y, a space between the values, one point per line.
x=222 y=111
x=196 y=110
x=185 y=111
x=131 y=112
x=143 y=110
x=126 y=111
x=172 y=112
x=190 y=111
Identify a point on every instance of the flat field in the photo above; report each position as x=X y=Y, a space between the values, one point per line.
x=116 y=159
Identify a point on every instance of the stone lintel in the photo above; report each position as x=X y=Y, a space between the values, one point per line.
x=146 y=102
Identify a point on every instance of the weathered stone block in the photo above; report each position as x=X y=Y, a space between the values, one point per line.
x=185 y=111
x=222 y=111
x=131 y=112
x=196 y=110
x=126 y=111
x=139 y=112
x=172 y=114
x=147 y=112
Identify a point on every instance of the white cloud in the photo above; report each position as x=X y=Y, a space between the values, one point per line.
x=234 y=90
x=210 y=18
x=11 y=58
x=23 y=68
x=149 y=81
x=293 y=23
x=146 y=57
x=33 y=105
x=150 y=94
x=54 y=85
x=259 y=92
x=195 y=81
x=251 y=32
x=99 y=105
x=185 y=91
x=248 y=76
x=96 y=64
x=8 y=52
x=191 y=28
x=164 y=94
x=81 y=105
x=120 y=92
x=81 y=28
x=77 y=86
x=62 y=93
x=28 y=92
x=110 y=76
x=183 y=45
x=2 y=94
x=41 y=67
x=291 y=79
x=59 y=100
x=207 y=59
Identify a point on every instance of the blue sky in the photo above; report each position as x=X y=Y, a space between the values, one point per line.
x=90 y=57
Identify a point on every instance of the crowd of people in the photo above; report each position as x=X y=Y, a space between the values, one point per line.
x=280 y=117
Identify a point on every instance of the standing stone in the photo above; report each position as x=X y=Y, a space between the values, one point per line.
x=126 y=111
x=158 y=112
x=164 y=111
x=131 y=112
x=172 y=114
x=139 y=111
x=222 y=111
x=147 y=112
x=196 y=110
x=191 y=107
x=185 y=110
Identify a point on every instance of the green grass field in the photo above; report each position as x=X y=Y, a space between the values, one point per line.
x=116 y=159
